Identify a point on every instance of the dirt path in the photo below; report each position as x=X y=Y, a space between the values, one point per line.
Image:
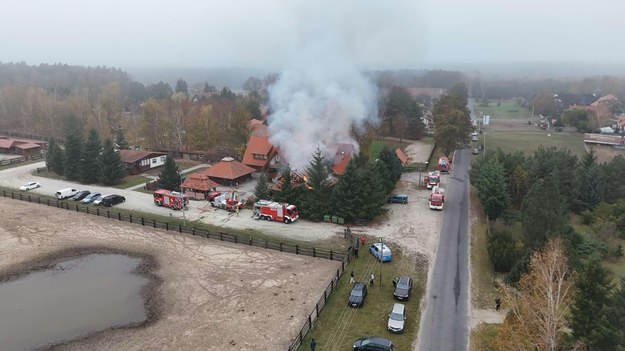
x=214 y=296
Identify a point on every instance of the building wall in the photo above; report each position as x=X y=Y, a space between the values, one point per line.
x=156 y=161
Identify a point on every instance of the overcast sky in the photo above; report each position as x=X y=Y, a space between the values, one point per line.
x=265 y=33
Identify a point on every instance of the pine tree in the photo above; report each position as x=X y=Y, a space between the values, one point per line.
x=384 y=175
x=392 y=164
x=90 y=168
x=589 y=319
x=121 y=141
x=348 y=195
x=375 y=191
x=54 y=157
x=112 y=169
x=73 y=149
x=543 y=212
x=261 y=190
x=492 y=189
x=617 y=316
x=288 y=193
x=316 y=202
x=170 y=177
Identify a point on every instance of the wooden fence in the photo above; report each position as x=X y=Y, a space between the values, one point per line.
x=21 y=159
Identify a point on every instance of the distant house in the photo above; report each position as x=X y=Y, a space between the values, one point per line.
x=138 y=161
x=229 y=172
x=567 y=100
x=258 y=153
x=24 y=147
x=344 y=153
x=199 y=97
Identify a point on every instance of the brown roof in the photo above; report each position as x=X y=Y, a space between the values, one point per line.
x=6 y=143
x=343 y=154
x=604 y=99
x=132 y=156
x=23 y=140
x=403 y=158
x=25 y=146
x=228 y=168
x=258 y=145
x=199 y=181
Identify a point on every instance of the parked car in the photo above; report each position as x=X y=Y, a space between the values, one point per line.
x=81 y=195
x=98 y=200
x=30 y=186
x=357 y=295
x=397 y=318
x=476 y=151
x=373 y=343
x=398 y=199
x=403 y=286
x=90 y=198
x=113 y=200
x=381 y=252
x=65 y=193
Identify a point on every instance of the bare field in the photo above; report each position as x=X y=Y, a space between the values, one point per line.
x=213 y=295
x=605 y=153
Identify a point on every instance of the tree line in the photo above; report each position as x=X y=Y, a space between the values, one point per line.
x=543 y=193
x=359 y=194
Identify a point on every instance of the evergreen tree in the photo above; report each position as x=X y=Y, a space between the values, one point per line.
x=112 y=169
x=170 y=177
x=54 y=157
x=90 y=168
x=374 y=191
x=617 y=316
x=181 y=86
x=288 y=193
x=384 y=176
x=261 y=190
x=591 y=194
x=316 y=202
x=492 y=189
x=589 y=319
x=73 y=148
x=392 y=164
x=543 y=212
x=121 y=141
x=614 y=187
x=348 y=195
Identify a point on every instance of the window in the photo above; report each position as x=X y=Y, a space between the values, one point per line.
x=259 y=157
x=154 y=160
x=162 y=158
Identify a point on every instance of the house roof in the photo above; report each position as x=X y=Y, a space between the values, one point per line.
x=25 y=146
x=257 y=145
x=6 y=143
x=605 y=99
x=228 y=168
x=23 y=140
x=401 y=155
x=199 y=181
x=343 y=154
x=132 y=156
x=258 y=127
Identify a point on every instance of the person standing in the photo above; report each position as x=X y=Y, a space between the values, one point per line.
x=351 y=278
x=497 y=304
x=313 y=344
x=356 y=251
x=371 y=279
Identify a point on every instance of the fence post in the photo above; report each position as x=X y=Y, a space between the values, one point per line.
x=29 y=198
x=154 y=223
x=77 y=208
x=221 y=236
x=266 y=242
x=87 y=208
x=57 y=204
x=119 y=216
x=325 y=295
x=142 y=222
x=236 y=237
x=297 y=249
x=167 y=226
x=331 y=254
x=309 y=322
x=108 y=214
x=12 y=196
x=280 y=247
x=38 y=200
x=4 y=193
x=193 y=231
x=130 y=216
x=97 y=212
x=314 y=255
x=21 y=197
x=250 y=241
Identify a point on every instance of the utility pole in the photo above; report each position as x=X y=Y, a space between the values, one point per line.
x=381 y=255
x=184 y=219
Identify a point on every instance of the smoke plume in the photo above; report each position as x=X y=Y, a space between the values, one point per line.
x=323 y=92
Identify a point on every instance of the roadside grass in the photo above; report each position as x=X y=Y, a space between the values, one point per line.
x=433 y=162
x=506 y=109
x=338 y=325
x=527 y=143
x=483 y=337
x=132 y=180
x=47 y=174
x=377 y=146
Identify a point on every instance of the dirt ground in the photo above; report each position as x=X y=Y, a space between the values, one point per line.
x=605 y=153
x=419 y=152
x=213 y=295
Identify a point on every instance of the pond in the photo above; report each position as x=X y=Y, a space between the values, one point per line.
x=70 y=300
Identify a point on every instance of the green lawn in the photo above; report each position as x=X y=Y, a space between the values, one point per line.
x=529 y=142
x=378 y=145
x=132 y=180
x=506 y=109
x=338 y=325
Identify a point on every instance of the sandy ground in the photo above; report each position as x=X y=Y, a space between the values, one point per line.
x=213 y=295
x=419 y=152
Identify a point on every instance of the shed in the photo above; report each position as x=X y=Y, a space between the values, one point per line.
x=229 y=172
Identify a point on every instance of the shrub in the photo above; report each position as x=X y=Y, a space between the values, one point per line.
x=504 y=251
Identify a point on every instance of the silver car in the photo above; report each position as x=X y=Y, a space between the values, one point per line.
x=397 y=318
x=98 y=200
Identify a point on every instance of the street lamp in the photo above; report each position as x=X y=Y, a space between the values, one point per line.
x=182 y=204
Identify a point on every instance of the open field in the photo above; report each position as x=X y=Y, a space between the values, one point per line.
x=506 y=109
x=528 y=142
x=378 y=145
x=605 y=153
x=212 y=296
x=339 y=325
x=132 y=180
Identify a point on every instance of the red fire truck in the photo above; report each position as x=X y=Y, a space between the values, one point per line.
x=228 y=201
x=436 y=199
x=171 y=199
x=275 y=211
x=434 y=179
x=443 y=164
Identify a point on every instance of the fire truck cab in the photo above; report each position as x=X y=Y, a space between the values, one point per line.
x=434 y=179
x=171 y=199
x=437 y=198
x=443 y=164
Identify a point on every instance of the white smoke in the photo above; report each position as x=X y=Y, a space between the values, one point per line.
x=323 y=92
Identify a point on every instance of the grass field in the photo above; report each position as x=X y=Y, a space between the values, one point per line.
x=506 y=109
x=132 y=180
x=378 y=145
x=529 y=142
x=338 y=325
x=483 y=337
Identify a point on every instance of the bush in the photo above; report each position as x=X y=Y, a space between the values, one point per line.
x=520 y=267
x=504 y=251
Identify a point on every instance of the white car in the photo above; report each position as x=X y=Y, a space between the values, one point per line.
x=397 y=318
x=30 y=186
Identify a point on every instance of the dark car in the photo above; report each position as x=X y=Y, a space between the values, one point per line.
x=112 y=200
x=90 y=198
x=402 y=285
x=81 y=195
x=357 y=295
x=373 y=343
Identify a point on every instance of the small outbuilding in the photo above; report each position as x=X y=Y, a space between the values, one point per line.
x=229 y=172
x=138 y=161
x=198 y=185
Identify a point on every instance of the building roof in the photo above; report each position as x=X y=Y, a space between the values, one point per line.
x=343 y=154
x=575 y=99
x=401 y=155
x=257 y=145
x=25 y=146
x=605 y=99
x=199 y=181
x=258 y=127
x=132 y=156
x=228 y=168
x=6 y=143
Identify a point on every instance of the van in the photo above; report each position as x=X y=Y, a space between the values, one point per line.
x=398 y=199
x=65 y=193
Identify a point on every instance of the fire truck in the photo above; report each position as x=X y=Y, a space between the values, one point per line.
x=443 y=164
x=228 y=201
x=434 y=179
x=275 y=211
x=437 y=198
x=171 y=199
